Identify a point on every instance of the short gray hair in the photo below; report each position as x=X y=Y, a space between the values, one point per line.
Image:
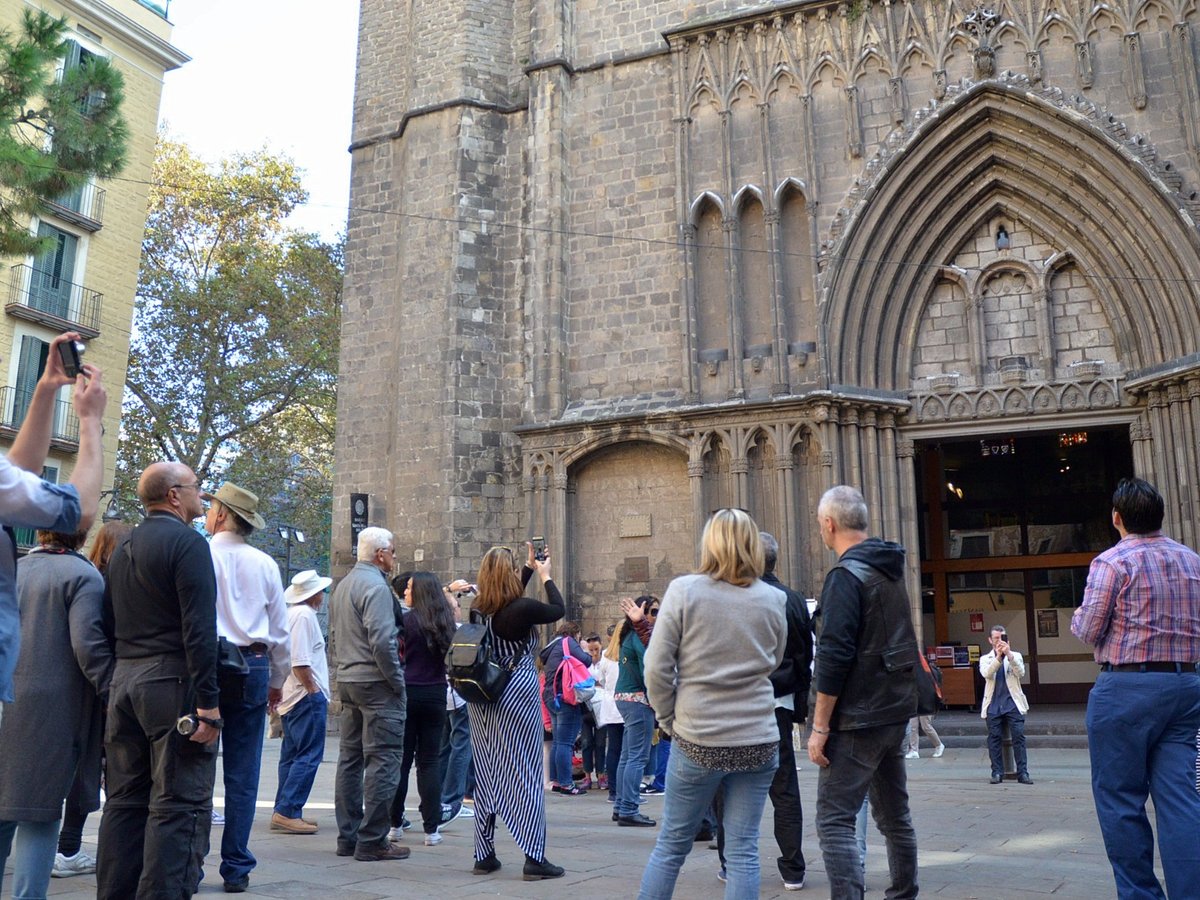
x=371 y=541
x=846 y=506
x=770 y=550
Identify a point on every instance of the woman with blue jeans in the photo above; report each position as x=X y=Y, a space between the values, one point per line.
x=567 y=718
x=629 y=644
x=720 y=634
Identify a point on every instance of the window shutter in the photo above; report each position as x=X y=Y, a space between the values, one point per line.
x=29 y=369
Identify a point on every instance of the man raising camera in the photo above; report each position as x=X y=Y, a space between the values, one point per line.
x=1003 y=700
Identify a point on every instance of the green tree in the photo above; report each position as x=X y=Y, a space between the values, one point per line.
x=233 y=362
x=62 y=130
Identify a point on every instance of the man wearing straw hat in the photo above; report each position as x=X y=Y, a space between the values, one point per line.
x=305 y=704
x=251 y=614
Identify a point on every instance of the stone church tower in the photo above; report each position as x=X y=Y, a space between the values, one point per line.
x=614 y=265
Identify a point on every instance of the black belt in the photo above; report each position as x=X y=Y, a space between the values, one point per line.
x=256 y=647
x=1180 y=668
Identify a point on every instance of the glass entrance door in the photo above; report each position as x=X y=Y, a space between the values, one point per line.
x=1009 y=527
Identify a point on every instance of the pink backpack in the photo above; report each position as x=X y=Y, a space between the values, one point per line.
x=573 y=683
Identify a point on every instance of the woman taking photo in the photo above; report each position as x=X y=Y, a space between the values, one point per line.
x=628 y=645
x=428 y=631
x=506 y=736
x=720 y=634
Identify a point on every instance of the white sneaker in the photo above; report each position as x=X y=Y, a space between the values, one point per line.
x=941 y=748
x=396 y=833
x=465 y=812
x=66 y=866
x=794 y=885
x=432 y=840
x=217 y=818
x=912 y=754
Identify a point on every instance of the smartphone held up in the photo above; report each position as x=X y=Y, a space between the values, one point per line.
x=71 y=354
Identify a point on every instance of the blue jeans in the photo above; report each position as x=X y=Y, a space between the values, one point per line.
x=301 y=752
x=456 y=758
x=662 y=759
x=567 y=720
x=635 y=749
x=1142 y=741
x=866 y=762
x=690 y=791
x=33 y=856
x=241 y=757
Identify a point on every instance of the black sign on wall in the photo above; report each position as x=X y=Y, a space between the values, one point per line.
x=360 y=508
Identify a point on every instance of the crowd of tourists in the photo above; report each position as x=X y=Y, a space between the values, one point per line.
x=163 y=647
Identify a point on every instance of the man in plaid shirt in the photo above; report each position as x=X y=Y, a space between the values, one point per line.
x=1141 y=611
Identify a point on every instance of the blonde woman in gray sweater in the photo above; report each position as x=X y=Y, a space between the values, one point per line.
x=719 y=636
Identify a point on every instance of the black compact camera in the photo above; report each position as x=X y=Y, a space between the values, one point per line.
x=69 y=352
x=539 y=547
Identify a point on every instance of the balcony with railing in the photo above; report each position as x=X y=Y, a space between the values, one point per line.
x=83 y=207
x=39 y=296
x=64 y=427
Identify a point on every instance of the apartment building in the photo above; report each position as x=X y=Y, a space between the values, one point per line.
x=87 y=280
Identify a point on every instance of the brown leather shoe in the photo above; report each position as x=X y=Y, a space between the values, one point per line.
x=392 y=851
x=291 y=826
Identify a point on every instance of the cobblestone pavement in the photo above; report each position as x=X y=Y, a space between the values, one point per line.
x=976 y=840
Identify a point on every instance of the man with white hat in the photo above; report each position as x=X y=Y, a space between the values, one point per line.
x=305 y=704
x=251 y=614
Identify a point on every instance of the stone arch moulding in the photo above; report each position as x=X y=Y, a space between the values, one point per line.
x=579 y=454
x=705 y=198
x=1062 y=160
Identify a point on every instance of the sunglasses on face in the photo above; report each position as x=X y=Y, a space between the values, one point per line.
x=652 y=612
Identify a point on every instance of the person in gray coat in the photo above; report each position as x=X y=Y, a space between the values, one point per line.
x=53 y=726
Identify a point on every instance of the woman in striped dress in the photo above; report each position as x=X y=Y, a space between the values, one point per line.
x=506 y=736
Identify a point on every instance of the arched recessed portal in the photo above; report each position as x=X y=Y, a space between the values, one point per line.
x=630 y=526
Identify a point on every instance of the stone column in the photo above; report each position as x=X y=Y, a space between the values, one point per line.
x=910 y=530
x=872 y=462
x=558 y=526
x=1160 y=436
x=1183 y=474
x=695 y=472
x=852 y=458
x=786 y=486
x=1139 y=436
x=889 y=463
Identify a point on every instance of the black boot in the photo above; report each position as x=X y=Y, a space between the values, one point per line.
x=486 y=866
x=536 y=871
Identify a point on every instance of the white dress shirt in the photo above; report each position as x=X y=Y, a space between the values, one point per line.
x=250 y=607
x=308 y=649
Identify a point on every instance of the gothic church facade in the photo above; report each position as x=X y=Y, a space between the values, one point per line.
x=613 y=265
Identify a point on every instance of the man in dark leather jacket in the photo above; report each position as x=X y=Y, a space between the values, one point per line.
x=866 y=693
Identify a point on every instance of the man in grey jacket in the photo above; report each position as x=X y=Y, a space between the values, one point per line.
x=370 y=678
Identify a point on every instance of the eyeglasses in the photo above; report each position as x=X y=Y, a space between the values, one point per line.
x=195 y=485
x=652 y=612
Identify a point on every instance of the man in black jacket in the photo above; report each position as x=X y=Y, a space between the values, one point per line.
x=163 y=597
x=866 y=693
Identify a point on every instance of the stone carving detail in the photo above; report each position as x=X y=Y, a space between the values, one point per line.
x=1135 y=77
x=939 y=84
x=1083 y=64
x=1027 y=399
x=1183 y=58
x=899 y=99
x=854 y=135
x=1033 y=61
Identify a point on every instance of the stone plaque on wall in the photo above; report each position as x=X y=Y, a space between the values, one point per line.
x=635 y=526
x=637 y=568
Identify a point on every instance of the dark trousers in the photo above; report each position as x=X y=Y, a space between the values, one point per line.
x=612 y=754
x=154 y=831
x=593 y=744
x=368 y=769
x=785 y=798
x=866 y=762
x=423 y=744
x=1016 y=727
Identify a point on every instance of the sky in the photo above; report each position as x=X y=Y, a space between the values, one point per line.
x=270 y=73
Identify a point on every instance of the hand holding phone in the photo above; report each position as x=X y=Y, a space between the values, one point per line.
x=69 y=351
x=539 y=547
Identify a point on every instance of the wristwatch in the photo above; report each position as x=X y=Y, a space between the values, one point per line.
x=212 y=723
